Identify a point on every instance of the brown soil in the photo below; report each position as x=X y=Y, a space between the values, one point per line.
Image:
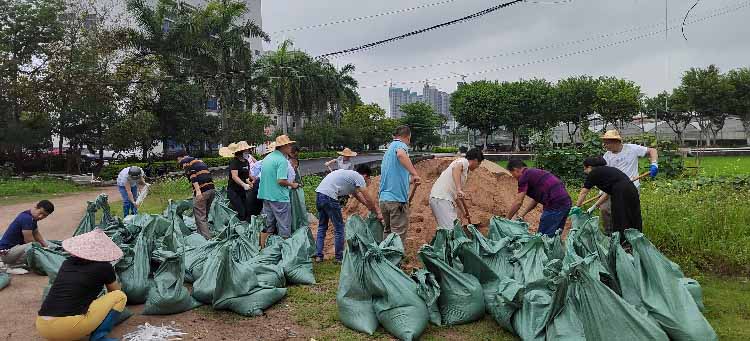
x=490 y=193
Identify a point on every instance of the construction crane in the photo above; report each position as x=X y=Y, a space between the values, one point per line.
x=463 y=78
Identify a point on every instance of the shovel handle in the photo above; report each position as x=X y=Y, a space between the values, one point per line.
x=413 y=191
x=599 y=196
x=466 y=210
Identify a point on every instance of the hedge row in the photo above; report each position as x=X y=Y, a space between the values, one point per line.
x=445 y=150
x=110 y=171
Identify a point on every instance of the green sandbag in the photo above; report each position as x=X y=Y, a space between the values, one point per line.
x=461 y=297
x=501 y=228
x=566 y=325
x=124 y=315
x=295 y=258
x=625 y=273
x=665 y=298
x=603 y=314
x=268 y=272
x=238 y=289
x=397 y=305
x=205 y=285
x=194 y=240
x=195 y=257
x=504 y=301
x=695 y=291
x=4 y=280
x=220 y=213
x=428 y=289
x=532 y=259
x=134 y=270
x=45 y=261
x=553 y=246
x=353 y=299
x=168 y=295
x=299 y=210
x=88 y=221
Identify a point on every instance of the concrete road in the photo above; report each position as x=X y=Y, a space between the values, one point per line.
x=308 y=167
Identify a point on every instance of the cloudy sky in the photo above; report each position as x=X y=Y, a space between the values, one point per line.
x=543 y=39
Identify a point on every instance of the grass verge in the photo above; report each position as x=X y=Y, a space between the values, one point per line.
x=14 y=191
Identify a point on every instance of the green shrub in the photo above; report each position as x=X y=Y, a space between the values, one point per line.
x=671 y=162
x=441 y=150
x=567 y=162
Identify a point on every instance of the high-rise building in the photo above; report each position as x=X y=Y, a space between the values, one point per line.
x=438 y=100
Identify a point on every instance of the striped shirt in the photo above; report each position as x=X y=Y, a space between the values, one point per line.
x=544 y=188
x=197 y=172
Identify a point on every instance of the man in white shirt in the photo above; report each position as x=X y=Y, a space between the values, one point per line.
x=341 y=183
x=450 y=186
x=624 y=156
x=127 y=182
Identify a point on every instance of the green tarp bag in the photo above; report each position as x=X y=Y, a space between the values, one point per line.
x=205 y=285
x=513 y=229
x=238 y=288
x=665 y=298
x=295 y=258
x=532 y=259
x=428 y=289
x=299 y=210
x=397 y=305
x=134 y=269
x=353 y=299
x=695 y=291
x=461 y=297
x=195 y=257
x=603 y=314
x=88 y=221
x=168 y=295
x=566 y=325
x=4 y=280
x=45 y=261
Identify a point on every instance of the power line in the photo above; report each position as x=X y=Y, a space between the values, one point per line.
x=365 y=17
x=686 y=16
x=518 y=52
x=562 y=56
x=417 y=32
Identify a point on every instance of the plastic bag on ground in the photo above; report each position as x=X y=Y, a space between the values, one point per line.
x=665 y=298
x=299 y=210
x=134 y=269
x=45 y=261
x=501 y=228
x=532 y=259
x=695 y=290
x=397 y=305
x=168 y=295
x=461 y=297
x=296 y=259
x=566 y=325
x=428 y=289
x=603 y=314
x=205 y=285
x=4 y=280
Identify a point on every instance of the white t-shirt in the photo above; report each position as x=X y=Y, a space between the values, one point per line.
x=444 y=188
x=340 y=183
x=123 y=179
x=627 y=160
x=341 y=164
x=256 y=168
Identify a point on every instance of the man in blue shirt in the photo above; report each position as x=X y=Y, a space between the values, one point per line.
x=21 y=233
x=396 y=170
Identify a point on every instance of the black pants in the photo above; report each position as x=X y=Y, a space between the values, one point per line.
x=238 y=199
x=255 y=204
x=626 y=207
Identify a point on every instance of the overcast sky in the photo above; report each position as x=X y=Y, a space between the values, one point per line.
x=532 y=33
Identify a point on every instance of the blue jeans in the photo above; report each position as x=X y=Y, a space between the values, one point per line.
x=553 y=220
x=128 y=207
x=329 y=209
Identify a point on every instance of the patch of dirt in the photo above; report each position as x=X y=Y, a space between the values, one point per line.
x=490 y=192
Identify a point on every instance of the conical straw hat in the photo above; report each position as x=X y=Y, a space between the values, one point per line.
x=94 y=246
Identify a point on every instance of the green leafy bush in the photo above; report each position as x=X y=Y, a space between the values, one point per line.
x=671 y=162
x=567 y=162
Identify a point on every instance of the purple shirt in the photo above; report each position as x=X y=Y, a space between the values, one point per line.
x=545 y=188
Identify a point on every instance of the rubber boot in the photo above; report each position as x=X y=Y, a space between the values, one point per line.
x=101 y=332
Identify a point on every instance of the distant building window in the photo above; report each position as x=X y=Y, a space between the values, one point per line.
x=257 y=52
x=166 y=25
x=212 y=104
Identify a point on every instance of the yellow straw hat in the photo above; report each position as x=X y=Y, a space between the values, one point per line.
x=612 y=135
x=283 y=140
x=347 y=152
x=232 y=148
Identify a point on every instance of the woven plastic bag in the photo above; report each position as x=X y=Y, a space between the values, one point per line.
x=168 y=295
x=428 y=289
x=665 y=298
x=4 y=280
x=299 y=210
x=134 y=269
x=295 y=257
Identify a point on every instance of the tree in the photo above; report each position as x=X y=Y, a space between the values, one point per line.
x=424 y=124
x=707 y=94
x=367 y=126
x=478 y=106
x=529 y=107
x=139 y=130
x=739 y=104
x=28 y=28
x=617 y=100
x=247 y=126
x=678 y=117
x=574 y=101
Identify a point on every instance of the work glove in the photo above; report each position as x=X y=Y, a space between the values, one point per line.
x=246 y=187
x=654 y=169
x=575 y=210
x=591 y=209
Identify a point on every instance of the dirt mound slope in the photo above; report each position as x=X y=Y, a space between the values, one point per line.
x=490 y=194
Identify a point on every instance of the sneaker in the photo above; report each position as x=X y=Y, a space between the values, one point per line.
x=16 y=271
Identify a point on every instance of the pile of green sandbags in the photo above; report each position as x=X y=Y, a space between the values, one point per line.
x=537 y=287
x=163 y=251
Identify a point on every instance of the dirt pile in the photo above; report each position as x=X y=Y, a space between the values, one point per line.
x=490 y=194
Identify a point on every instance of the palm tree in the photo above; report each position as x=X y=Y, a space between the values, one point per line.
x=344 y=89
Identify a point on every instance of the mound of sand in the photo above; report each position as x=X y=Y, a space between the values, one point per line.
x=490 y=189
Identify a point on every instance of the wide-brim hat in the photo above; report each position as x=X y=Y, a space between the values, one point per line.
x=94 y=246
x=271 y=148
x=283 y=140
x=347 y=152
x=233 y=148
x=612 y=135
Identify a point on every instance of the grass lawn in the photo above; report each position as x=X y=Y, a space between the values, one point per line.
x=14 y=191
x=720 y=165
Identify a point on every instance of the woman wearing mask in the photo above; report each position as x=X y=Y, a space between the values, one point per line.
x=344 y=161
x=240 y=182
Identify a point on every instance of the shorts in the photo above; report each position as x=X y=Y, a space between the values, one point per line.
x=395 y=217
x=444 y=212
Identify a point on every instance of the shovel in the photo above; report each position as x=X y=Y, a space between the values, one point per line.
x=598 y=196
x=466 y=212
x=411 y=194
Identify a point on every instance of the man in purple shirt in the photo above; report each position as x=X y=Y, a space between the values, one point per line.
x=542 y=187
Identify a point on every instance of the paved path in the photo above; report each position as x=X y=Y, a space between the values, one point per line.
x=23 y=297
